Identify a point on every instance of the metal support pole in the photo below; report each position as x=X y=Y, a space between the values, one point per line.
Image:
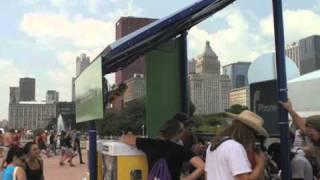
x=282 y=88
x=185 y=103
x=92 y=150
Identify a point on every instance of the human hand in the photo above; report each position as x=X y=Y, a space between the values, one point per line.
x=260 y=158
x=129 y=139
x=185 y=178
x=287 y=105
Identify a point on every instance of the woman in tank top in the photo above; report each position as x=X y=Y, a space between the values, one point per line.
x=34 y=164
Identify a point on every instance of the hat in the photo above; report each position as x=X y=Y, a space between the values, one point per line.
x=250 y=119
x=313 y=121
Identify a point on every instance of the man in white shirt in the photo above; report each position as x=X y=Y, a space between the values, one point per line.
x=231 y=155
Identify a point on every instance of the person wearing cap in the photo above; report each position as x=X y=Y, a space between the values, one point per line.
x=167 y=148
x=232 y=154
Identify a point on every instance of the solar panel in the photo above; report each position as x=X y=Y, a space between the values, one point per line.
x=125 y=50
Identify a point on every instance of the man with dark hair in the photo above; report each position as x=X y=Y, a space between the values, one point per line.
x=77 y=146
x=309 y=127
x=53 y=142
x=190 y=140
x=184 y=118
x=167 y=149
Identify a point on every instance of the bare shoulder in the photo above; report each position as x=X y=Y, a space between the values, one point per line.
x=20 y=170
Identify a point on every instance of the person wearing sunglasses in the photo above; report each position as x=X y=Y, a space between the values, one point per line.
x=15 y=161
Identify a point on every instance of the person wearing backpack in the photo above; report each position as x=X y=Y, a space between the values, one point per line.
x=232 y=154
x=165 y=156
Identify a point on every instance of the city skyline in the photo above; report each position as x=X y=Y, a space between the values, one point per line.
x=41 y=39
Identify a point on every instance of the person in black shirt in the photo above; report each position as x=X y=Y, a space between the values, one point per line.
x=34 y=164
x=76 y=145
x=66 y=149
x=190 y=141
x=53 y=143
x=167 y=148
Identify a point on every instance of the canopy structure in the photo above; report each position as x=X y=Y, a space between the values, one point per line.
x=302 y=92
x=124 y=51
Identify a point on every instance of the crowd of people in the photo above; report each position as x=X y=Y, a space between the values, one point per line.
x=23 y=160
x=237 y=152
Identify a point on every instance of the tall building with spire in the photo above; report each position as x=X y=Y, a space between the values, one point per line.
x=209 y=90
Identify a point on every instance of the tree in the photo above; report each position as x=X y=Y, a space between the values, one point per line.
x=192 y=108
x=131 y=118
x=52 y=124
x=237 y=109
x=116 y=92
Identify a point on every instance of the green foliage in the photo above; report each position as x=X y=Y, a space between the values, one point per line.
x=116 y=91
x=209 y=123
x=130 y=119
x=52 y=124
x=237 y=108
x=192 y=108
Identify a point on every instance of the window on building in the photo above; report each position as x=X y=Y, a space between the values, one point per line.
x=240 y=81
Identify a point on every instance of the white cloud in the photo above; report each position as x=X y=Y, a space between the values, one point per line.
x=62 y=77
x=88 y=36
x=127 y=8
x=58 y=3
x=93 y=5
x=297 y=24
x=317 y=6
x=9 y=77
x=10 y=73
x=240 y=42
x=231 y=44
x=80 y=32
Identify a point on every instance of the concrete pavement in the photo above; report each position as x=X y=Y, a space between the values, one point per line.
x=53 y=171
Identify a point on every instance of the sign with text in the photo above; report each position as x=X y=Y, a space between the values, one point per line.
x=264 y=102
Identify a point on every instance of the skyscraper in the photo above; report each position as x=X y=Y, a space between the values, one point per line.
x=309 y=49
x=292 y=51
x=82 y=62
x=73 y=93
x=192 y=66
x=209 y=90
x=31 y=115
x=240 y=96
x=136 y=88
x=124 y=26
x=52 y=96
x=238 y=73
x=27 y=89
x=14 y=95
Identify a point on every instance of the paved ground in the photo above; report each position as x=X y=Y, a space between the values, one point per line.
x=53 y=171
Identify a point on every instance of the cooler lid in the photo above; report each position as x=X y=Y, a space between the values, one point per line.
x=117 y=148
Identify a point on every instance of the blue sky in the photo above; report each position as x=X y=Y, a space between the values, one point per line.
x=41 y=38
